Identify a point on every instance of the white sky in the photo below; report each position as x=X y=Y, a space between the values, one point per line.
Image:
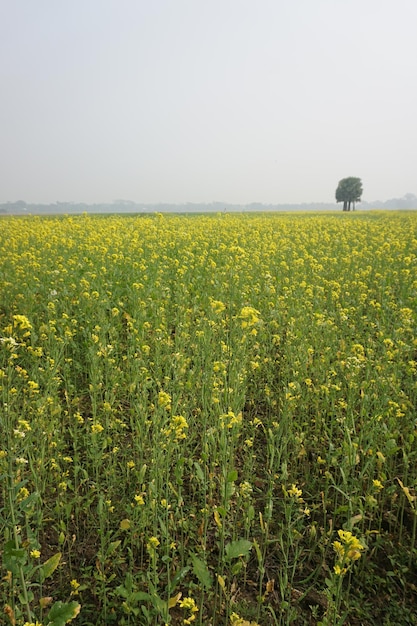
x=199 y=100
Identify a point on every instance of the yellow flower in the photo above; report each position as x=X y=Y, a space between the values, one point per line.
x=217 y=306
x=245 y=489
x=249 y=316
x=152 y=545
x=22 y=494
x=176 y=428
x=22 y=322
x=35 y=554
x=295 y=492
x=154 y=542
x=125 y=524
x=339 y=570
x=190 y=605
x=377 y=484
x=348 y=550
x=235 y=620
x=164 y=400
x=229 y=419
x=96 y=428
x=338 y=548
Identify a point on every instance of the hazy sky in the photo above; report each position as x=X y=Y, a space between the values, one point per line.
x=206 y=100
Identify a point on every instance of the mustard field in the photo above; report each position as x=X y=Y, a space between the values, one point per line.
x=208 y=419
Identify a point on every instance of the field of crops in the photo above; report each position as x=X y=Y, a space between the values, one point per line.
x=208 y=419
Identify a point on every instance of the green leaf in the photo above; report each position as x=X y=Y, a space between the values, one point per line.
x=133 y=597
x=241 y=547
x=250 y=514
x=122 y=591
x=29 y=597
x=140 y=596
x=179 y=576
x=258 y=551
x=50 y=566
x=62 y=613
x=163 y=526
x=10 y=550
x=201 y=571
x=157 y=602
x=13 y=557
x=113 y=546
x=28 y=502
x=199 y=472
x=146 y=613
x=232 y=476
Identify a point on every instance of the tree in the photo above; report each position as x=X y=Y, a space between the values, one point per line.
x=349 y=191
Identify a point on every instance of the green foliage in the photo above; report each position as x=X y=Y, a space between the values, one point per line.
x=200 y=570
x=62 y=613
x=349 y=191
x=235 y=549
x=208 y=419
x=50 y=566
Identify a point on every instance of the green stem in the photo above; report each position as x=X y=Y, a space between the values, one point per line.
x=16 y=543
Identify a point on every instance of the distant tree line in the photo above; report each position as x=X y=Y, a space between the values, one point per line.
x=20 y=207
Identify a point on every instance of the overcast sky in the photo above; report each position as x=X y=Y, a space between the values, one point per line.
x=206 y=100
